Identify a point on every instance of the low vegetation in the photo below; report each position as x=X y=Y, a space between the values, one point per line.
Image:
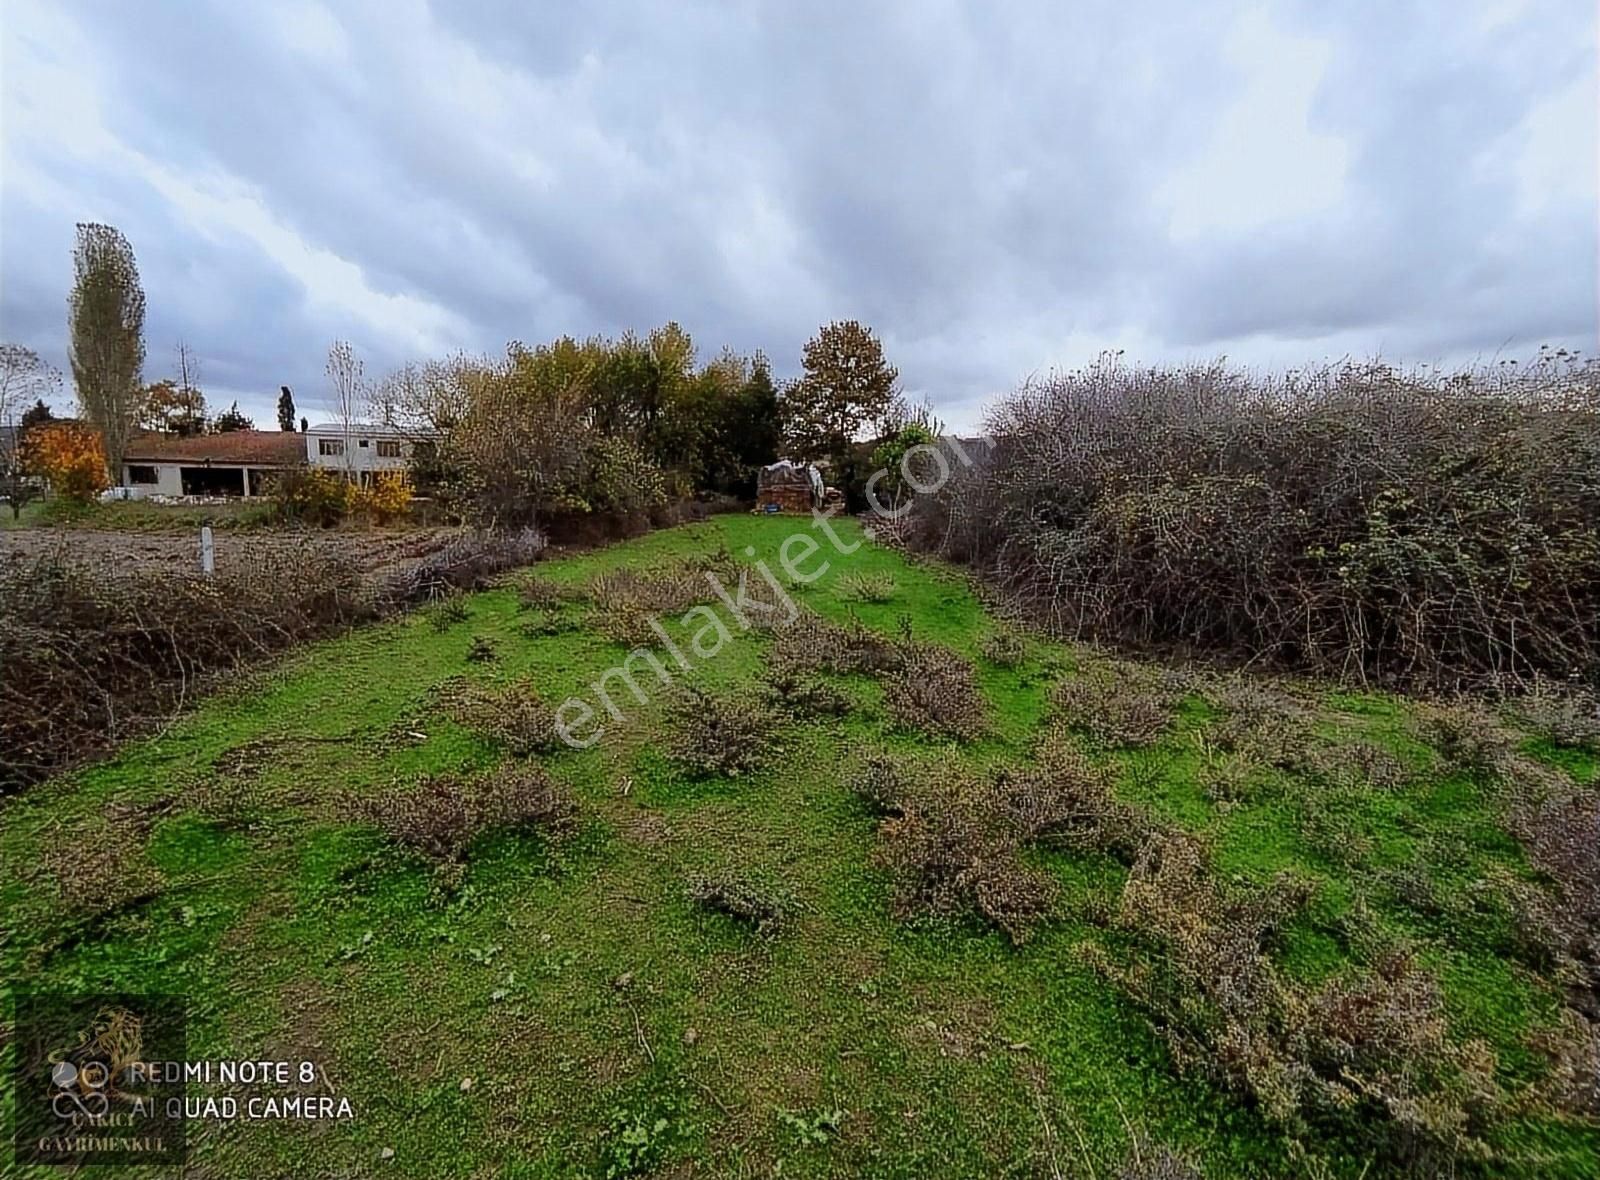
x=863 y=893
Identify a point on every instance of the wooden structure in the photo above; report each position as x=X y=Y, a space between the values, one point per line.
x=788 y=487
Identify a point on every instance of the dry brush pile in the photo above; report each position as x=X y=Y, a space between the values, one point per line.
x=1424 y=529
x=96 y=652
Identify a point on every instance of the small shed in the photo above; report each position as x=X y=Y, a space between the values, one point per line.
x=787 y=486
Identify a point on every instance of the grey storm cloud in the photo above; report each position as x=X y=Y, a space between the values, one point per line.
x=996 y=188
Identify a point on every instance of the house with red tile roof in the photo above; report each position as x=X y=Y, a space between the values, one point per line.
x=236 y=463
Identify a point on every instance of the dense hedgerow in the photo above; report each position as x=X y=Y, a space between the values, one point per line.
x=1420 y=528
x=96 y=652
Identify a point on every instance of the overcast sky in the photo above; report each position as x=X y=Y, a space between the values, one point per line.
x=996 y=188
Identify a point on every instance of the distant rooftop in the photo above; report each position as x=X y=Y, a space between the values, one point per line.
x=359 y=428
x=234 y=446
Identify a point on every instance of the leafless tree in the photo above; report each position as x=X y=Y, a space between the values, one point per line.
x=348 y=378
x=24 y=378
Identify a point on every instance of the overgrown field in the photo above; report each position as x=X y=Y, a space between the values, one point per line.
x=885 y=889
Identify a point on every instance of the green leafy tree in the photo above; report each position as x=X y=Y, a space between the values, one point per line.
x=37 y=415
x=173 y=410
x=232 y=419
x=106 y=328
x=846 y=383
x=285 y=409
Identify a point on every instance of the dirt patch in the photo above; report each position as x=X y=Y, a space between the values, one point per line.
x=374 y=551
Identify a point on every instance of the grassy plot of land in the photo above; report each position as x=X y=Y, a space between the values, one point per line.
x=721 y=973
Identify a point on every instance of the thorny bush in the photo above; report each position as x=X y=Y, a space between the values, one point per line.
x=717 y=735
x=1426 y=528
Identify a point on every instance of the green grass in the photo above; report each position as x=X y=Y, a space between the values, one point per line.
x=847 y=1043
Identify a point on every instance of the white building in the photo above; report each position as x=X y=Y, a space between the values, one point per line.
x=358 y=450
x=231 y=464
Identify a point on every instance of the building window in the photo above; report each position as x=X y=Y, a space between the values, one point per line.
x=141 y=474
x=330 y=446
x=389 y=448
x=363 y=443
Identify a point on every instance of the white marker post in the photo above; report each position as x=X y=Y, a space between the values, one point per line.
x=208 y=551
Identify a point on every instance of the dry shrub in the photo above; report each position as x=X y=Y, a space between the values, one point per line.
x=1421 y=527
x=94 y=653
x=1572 y=1083
x=883 y=782
x=1368 y=1051
x=803 y=694
x=1065 y=800
x=811 y=643
x=538 y=593
x=866 y=587
x=717 y=735
x=757 y=903
x=1358 y=764
x=954 y=842
x=512 y=715
x=1565 y=716
x=447 y=611
x=934 y=690
x=443 y=814
x=1152 y=1161
x=470 y=561
x=1559 y=826
x=1004 y=648
x=103 y=867
x=665 y=590
x=1465 y=733
x=1117 y=703
x=955 y=848
x=626 y=624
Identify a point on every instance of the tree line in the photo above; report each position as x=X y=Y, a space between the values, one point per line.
x=598 y=425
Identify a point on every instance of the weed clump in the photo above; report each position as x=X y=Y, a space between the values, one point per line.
x=954 y=844
x=811 y=643
x=447 y=611
x=866 y=587
x=482 y=650
x=1560 y=829
x=955 y=848
x=758 y=904
x=1004 y=648
x=1118 y=704
x=512 y=715
x=803 y=694
x=1567 y=718
x=883 y=783
x=1152 y=1161
x=1064 y=800
x=104 y=868
x=537 y=593
x=443 y=814
x=1369 y=1049
x=934 y=690
x=717 y=735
